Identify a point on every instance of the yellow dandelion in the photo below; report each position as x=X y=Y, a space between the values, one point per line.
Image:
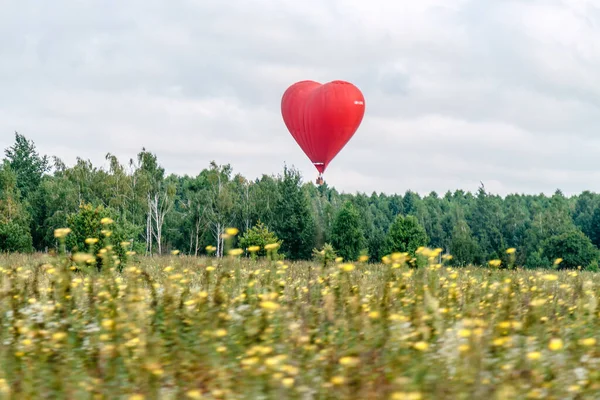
x=550 y=277
x=349 y=361
x=61 y=233
x=464 y=333
x=512 y=250
x=106 y=221
x=555 y=344
x=363 y=258
x=232 y=231
x=221 y=333
x=495 y=263
x=272 y=246
x=253 y=249
x=235 y=252
x=347 y=267
x=269 y=305
x=421 y=346
x=338 y=380
x=287 y=382
x=587 y=342
x=175 y=252
x=92 y=241
x=194 y=394
x=534 y=355
x=558 y=261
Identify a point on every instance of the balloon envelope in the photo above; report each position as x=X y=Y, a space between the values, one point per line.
x=322 y=118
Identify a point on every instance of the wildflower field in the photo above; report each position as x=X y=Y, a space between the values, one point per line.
x=178 y=327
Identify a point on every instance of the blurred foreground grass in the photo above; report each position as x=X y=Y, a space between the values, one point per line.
x=233 y=328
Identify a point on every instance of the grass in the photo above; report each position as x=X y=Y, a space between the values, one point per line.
x=234 y=328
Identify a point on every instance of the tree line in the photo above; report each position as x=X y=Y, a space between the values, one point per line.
x=155 y=213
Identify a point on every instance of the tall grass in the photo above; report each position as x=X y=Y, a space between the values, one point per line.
x=234 y=328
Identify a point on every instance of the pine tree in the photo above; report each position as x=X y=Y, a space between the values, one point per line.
x=347 y=237
x=293 y=219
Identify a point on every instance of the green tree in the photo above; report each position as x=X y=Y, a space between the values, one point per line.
x=15 y=234
x=463 y=247
x=258 y=235
x=27 y=165
x=347 y=237
x=87 y=224
x=405 y=235
x=573 y=247
x=293 y=221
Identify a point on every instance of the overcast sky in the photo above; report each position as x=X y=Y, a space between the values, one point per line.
x=506 y=92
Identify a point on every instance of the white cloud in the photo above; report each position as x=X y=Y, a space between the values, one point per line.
x=457 y=91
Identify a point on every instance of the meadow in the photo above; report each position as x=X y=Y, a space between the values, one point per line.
x=237 y=327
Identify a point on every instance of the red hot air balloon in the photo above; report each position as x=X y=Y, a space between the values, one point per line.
x=322 y=118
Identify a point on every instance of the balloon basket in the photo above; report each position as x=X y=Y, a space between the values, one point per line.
x=320 y=180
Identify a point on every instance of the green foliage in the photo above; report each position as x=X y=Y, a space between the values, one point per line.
x=293 y=220
x=162 y=212
x=347 y=237
x=463 y=246
x=15 y=232
x=99 y=223
x=27 y=164
x=573 y=247
x=326 y=255
x=405 y=235
x=15 y=238
x=259 y=235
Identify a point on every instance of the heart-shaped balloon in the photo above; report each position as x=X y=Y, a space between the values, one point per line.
x=322 y=118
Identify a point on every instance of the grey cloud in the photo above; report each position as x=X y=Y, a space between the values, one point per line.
x=457 y=91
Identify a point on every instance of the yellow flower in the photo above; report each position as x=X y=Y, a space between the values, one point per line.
x=253 y=249
x=512 y=250
x=406 y=396
x=58 y=336
x=555 y=344
x=347 y=267
x=269 y=305
x=61 y=233
x=495 y=263
x=92 y=241
x=464 y=333
x=221 y=333
x=235 y=252
x=106 y=221
x=83 y=257
x=231 y=231
x=136 y=397
x=272 y=246
x=194 y=394
x=338 y=380
x=550 y=277
x=558 y=261
x=287 y=382
x=587 y=341
x=349 y=361
x=107 y=323
x=210 y=268
x=534 y=355
x=363 y=258
x=339 y=259
x=421 y=346
x=175 y=252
